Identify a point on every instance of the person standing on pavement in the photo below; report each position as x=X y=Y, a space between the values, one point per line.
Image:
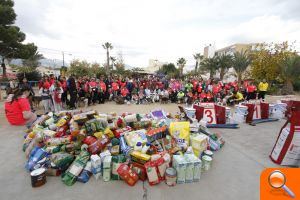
x=64 y=96
x=56 y=91
x=46 y=97
x=73 y=92
x=102 y=91
x=251 y=91
x=263 y=88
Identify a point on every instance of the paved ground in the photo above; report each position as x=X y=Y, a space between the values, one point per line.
x=235 y=173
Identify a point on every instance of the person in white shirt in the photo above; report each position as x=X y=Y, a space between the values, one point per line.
x=147 y=92
x=56 y=92
x=165 y=96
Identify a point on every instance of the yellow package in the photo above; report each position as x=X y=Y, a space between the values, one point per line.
x=139 y=157
x=181 y=132
x=109 y=133
x=199 y=143
x=61 y=122
x=98 y=134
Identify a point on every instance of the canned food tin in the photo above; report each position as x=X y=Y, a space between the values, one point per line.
x=38 y=177
x=208 y=153
x=171 y=176
x=206 y=162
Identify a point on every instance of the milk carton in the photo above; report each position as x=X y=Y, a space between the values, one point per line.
x=107 y=168
x=179 y=163
x=196 y=166
x=96 y=166
x=189 y=173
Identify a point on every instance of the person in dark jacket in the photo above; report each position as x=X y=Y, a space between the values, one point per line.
x=130 y=87
x=73 y=92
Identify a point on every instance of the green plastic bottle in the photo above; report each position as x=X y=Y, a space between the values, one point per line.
x=70 y=176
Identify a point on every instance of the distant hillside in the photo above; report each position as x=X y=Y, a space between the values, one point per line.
x=44 y=62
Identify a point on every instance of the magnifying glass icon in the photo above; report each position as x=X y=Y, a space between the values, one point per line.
x=277 y=180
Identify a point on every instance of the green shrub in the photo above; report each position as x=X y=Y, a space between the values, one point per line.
x=297 y=85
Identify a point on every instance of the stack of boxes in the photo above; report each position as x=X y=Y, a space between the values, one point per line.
x=188 y=168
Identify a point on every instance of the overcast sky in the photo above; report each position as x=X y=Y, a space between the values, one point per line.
x=158 y=29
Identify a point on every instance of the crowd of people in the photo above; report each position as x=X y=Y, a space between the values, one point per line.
x=61 y=92
x=58 y=93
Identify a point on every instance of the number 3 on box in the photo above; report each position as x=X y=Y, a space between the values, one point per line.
x=210 y=116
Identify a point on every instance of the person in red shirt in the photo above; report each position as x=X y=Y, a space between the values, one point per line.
x=102 y=85
x=202 y=96
x=246 y=83
x=123 y=83
x=102 y=91
x=45 y=84
x=79 y=83
x=216 y=91
x=235 y=85
x=52 y=79
x=17 y=108
x=125 y=93
x=93 y=83
x=195 y=85
x=115 y=88
x=221 y=84
x=160 y=85
x=199 y=89
x=119 y=81
x=251 y=91
x=93 y=90
x=41 y=82
x=209 y=96
x=227 y=86
x=64 y=96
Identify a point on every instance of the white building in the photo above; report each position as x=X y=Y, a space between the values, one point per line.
x=209 y=51
x=154 y=65
x=48 y=71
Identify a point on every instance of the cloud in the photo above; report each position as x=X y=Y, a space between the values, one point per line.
x=266 y=29
x=32 y=17
x=141 y=29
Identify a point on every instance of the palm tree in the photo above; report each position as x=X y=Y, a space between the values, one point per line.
x=211 y=65
x=224 y=63
x=113 y=60
x=241 y=61
x=198 y=57
x=290 y=71
x=107 y=46
x=181 y=63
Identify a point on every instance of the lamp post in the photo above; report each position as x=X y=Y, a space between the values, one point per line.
x=63 y=54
